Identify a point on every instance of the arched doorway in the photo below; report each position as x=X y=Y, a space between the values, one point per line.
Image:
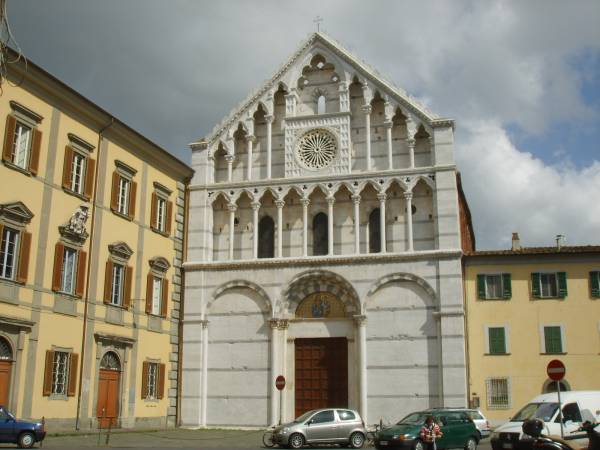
x=109 y=383
x=6 y=357
x=550 y=386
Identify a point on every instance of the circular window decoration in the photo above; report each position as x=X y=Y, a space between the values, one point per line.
x=317 y=148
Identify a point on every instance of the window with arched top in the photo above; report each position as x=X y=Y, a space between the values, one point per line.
x=110 y=361
x=320 y=238
x=321 y=104
x=5 y=350
x=266 y=237
x=374 y=231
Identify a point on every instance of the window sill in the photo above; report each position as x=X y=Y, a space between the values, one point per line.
x=152 y=401
x=493 y=299
x=123 y=216
x=76 y=194
x=63 y=397
x=13 y=166
x=162 y=233
x=553 y=353
x=496 y=354
x=549 y=298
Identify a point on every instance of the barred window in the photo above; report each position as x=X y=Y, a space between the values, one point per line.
x=60 y=371
x=152 y=380
x=498 y=393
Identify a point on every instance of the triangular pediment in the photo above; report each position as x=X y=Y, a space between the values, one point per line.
x=348 y=67
x=120 y=250
x=16 y=212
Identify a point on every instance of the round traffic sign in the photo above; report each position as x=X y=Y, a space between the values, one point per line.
x=280 y=382
x=556 y=370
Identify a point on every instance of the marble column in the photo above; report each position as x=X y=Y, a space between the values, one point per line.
x=250 y=141
x=411 y=151
x=229 y=158
x=283 y=326
x=381 y=197
x=279 y=204
x=204 y=375
x=255 y=208
x=274 y=393
x=232 y=209
x=361 y=325
x=305 y=202
x=330 y=202
x=269 y=118
x=388 y=130
x=409 y=228
x=356 y=201
x=367 y=110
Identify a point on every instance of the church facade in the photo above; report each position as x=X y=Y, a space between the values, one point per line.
x=324 y=245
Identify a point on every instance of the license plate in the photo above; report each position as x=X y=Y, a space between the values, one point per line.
x=383 y=442
x=507 y=445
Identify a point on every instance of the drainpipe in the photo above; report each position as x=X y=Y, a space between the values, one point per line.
x=88 y=270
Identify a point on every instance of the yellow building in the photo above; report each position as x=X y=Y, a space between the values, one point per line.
x=525 y=307
x=92 y=229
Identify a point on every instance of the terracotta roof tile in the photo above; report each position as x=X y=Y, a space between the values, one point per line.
x=539 y=251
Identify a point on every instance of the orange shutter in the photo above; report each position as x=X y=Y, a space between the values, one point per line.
x=160 y=389
x=165 y=297
x=132 y=193
x=67 y=168
x=79 y=285
x=108 y=281
x=9 y=138
x=149 y=282
x=145 y=379
x=34 y=159
x=114 y=196
x=72 y=387
x=47 y=390
x=24 y=252
x=127 y=287
x=168 y=217
x=153 y=205
x=90 y=173
x=59 y=251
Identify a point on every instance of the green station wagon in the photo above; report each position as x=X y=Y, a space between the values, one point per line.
x=456 y=425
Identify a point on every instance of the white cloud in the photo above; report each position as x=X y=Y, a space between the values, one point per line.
x=511 y=190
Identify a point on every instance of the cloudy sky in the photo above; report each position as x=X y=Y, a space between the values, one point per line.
x=521 y=79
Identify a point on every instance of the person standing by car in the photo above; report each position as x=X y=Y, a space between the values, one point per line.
x=430 y=432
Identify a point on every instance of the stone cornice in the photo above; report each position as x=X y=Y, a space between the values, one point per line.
x=442 y=123
x=373 y=258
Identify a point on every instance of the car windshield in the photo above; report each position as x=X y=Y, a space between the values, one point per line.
x=544 y=411
x=304 y=416
x=414 y=419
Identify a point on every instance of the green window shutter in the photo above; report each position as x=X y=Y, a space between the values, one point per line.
x=562 y=284
x=535 y=285
x=552 y=339
x=497 y=339
x=595 y=283
x=506 y=286
x=481 y=286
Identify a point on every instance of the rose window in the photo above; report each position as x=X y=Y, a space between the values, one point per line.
x=316 y=149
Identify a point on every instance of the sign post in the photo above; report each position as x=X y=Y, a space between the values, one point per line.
x=280 y=384
x=556 y=371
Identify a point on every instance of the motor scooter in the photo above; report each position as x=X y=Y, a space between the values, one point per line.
x=535 y=427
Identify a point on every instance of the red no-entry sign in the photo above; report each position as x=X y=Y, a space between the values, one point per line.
x=556 y=370
x=280 y=382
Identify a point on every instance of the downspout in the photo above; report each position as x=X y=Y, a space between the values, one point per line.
x=88 y=270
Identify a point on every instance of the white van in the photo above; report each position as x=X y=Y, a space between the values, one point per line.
x=577 y=407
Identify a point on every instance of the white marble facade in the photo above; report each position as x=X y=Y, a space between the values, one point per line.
x=327 y=137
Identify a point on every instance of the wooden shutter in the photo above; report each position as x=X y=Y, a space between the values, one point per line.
x=160 y=388
x=506 y=286
x=9 y=138
x=594 y=283
x=79 y=284
x=90 y=173
x=168 y=217
x=132 y=193
x=535 y=285
x=24 y=252
x=127 y=287
x=165 y=298
x=497 y=339
x=481 y=286
x=552 y=340
x=108 y=281
x=114 y=196
x=47 y=390
x=145 y=369
x=153 y=208
x=562 y=284
x=59 y=251
x=149 y=284
x=72 y=386
x=67 y=168
x=34 y=158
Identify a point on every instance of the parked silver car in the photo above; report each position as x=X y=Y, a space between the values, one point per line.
x=331 y=425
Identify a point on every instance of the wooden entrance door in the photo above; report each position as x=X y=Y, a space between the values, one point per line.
x=5 y=369
x=108 y=398
x=321 y=374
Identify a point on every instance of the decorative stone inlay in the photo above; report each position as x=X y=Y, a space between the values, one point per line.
x=317 y=149
x=321 y=305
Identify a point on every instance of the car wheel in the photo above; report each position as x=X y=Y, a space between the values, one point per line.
x=357 y=440
x=418 y=445
x=471 y=444
x=296 y=440
x=26 y=440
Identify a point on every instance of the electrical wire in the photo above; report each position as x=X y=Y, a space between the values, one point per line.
x=7 y=39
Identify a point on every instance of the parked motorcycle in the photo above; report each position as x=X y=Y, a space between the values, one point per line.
x=535 y=427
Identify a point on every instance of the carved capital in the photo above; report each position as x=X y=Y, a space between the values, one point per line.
x=408 y=195
x=274 y=324
x=229 y=158
x=250 y=138
x=366 y=109
x=283 y=324
x=305 y=202
x=232 y=207
x=330 y=200
x=388 y=124
x=255 y=206
x=382 y=196
x=204 y=323
x=269 y=118
x=410 y=142
x=360 y=320
x=280 y=204
x=356 y=199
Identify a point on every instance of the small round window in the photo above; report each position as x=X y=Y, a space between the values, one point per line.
x=317 y=149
